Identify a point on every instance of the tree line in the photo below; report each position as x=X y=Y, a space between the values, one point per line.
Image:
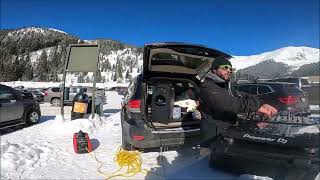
x=38 y=54
x=17 y=47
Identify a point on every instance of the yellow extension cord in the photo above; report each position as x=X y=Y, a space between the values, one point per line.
x=131 y=160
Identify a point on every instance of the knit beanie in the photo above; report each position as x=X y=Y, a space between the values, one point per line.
x=218 y=61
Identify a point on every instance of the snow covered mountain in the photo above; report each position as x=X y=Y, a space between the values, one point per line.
x=41 y=48
x=295 y=57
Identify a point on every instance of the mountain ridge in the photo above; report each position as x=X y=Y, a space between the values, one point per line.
x=27 y=54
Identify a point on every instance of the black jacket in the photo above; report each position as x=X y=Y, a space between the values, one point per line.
x=215 y=100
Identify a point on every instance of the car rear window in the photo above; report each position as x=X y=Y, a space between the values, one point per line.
x=176 y=60
x=250 y=89
x=55 y=89
x=36 y=92
x=304 y=82
x=292 y=88
x=263 y=89
x=287 y=88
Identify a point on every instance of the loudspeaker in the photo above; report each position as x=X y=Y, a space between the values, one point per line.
x=162 y=102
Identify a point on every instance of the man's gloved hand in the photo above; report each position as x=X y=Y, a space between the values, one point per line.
x=268 y=111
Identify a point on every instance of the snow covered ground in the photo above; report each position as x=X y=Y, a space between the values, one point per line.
x=45 y=150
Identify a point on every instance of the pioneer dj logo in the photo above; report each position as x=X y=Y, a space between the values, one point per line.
x=279 y=140
x=283 y=141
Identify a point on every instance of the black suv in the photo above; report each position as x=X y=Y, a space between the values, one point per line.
x=286 y=97
x=16 y=108
x=159 y=105
x=301 y=83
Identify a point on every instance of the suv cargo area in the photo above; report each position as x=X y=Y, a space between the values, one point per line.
x=168 y=116
x=172 y=103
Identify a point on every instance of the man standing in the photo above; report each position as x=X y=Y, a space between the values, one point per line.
x=216 y=101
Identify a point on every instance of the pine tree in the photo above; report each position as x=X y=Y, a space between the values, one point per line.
x=119 y=72
x=43 y=67
x=103 y=79
x=128 y=76
x=19 y=67
x=81 y=78
x=54 y=64
x=87 y=79
x=108 y=65
x=28 y=72
x=6 y=67
x=98 y=75
x=130 y=68
x=114 y=77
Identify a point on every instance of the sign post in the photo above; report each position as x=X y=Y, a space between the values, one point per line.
x=81 y=58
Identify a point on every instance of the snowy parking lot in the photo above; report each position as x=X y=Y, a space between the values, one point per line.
x=45 y=150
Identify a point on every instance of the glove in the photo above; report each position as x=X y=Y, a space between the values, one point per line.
x=196 y=115
x=267 y=110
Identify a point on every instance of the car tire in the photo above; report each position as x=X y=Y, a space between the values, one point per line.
x=55 y=102
x=33 y=117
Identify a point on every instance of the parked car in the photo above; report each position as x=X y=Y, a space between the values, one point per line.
x=300 y=82
x=39 y=96
x=154 y=112
x=119 y=89
x=27 y=94
x=286 y=97
x=16 y=108
x=52 y=94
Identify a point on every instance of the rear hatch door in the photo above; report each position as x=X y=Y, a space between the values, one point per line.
x=185 y=60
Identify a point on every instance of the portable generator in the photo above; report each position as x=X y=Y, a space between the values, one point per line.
x=81 y=143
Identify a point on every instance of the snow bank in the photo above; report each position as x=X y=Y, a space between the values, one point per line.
x=63 y=127
x=28 y=156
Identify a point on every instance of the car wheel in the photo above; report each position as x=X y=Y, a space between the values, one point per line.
x=33 y=117
x=55 y=102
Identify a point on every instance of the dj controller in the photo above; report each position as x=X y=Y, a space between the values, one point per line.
x=288 y=141
x=287 y=130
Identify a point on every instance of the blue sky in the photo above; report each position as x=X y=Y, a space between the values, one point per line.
x=238 y=27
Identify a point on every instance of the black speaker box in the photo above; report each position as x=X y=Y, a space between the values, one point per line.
x=162 y=102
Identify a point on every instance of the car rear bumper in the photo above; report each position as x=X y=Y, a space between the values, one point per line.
x=168 y=142
x=157 y=138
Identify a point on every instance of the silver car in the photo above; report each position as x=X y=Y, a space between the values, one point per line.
x=52 y=95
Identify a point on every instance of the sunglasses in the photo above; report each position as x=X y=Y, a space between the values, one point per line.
x=227 y=67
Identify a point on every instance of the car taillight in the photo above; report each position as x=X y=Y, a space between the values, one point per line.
x=288 y=100
x=134 y=105
x=46 y=93
x=138 y=138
